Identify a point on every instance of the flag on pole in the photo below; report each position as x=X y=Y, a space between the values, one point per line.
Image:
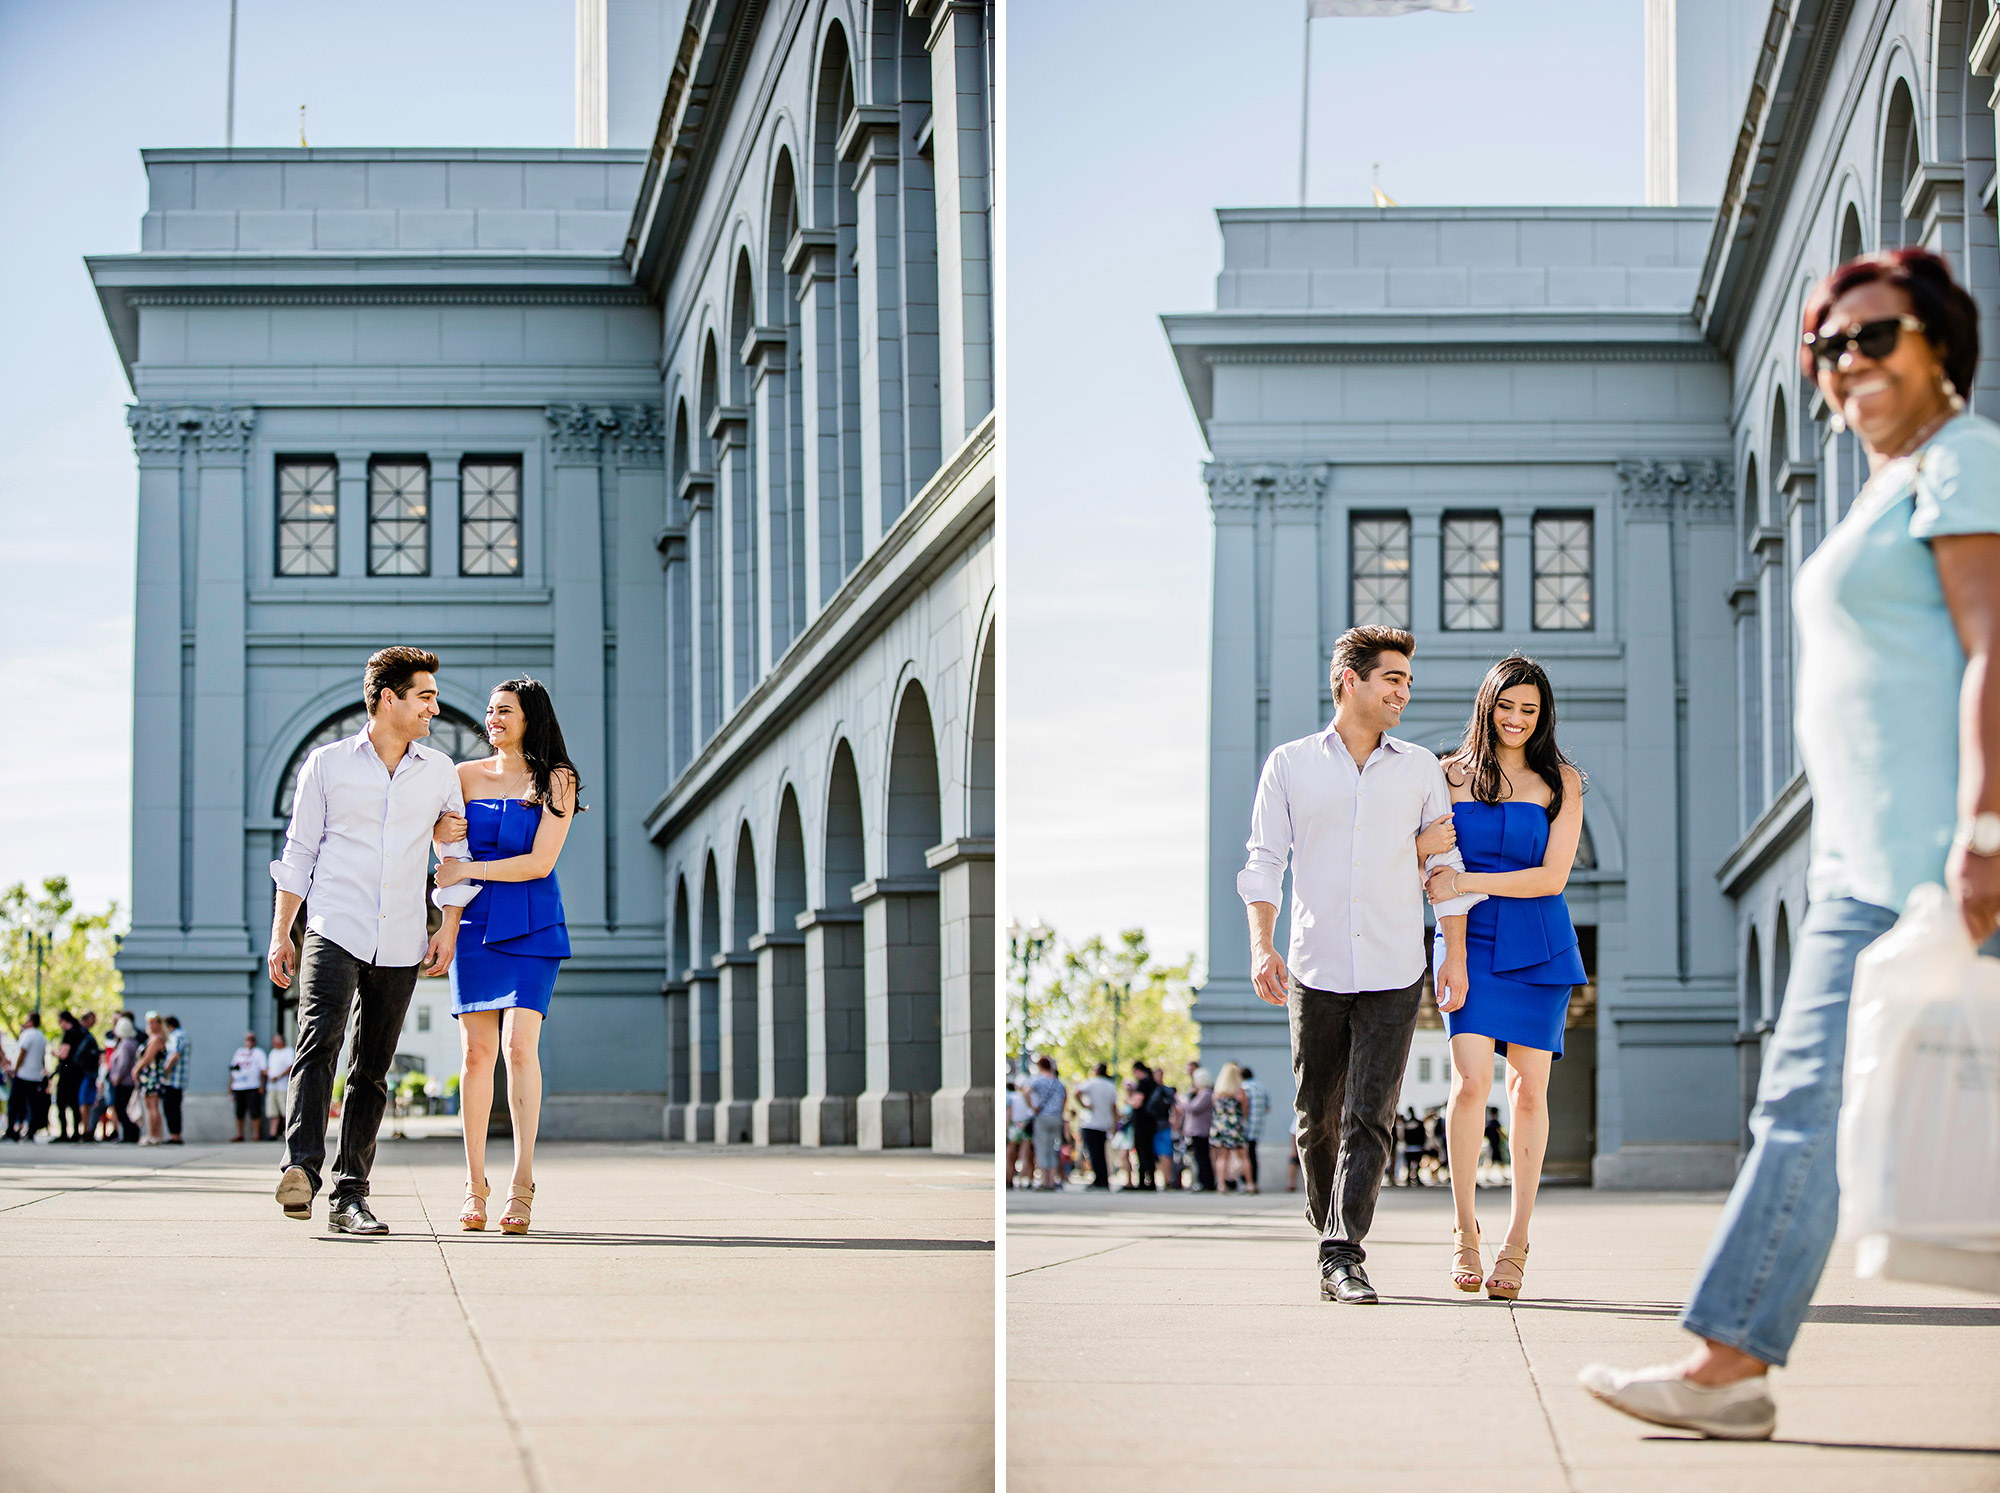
x=1318 y=8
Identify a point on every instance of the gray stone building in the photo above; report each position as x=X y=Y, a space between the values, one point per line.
x=1582 y=432
x=694 y=422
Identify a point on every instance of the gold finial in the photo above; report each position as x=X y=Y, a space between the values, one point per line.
x=302 y=125
x=1382 y=198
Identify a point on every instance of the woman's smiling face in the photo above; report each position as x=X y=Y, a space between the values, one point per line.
x=1879 y=397
x=504 y=720
x=1516 y=713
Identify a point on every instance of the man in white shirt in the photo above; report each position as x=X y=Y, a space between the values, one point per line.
x=28 y=1096
x=1346 y=807
x=359 y=843
x=277 y=1084
x=246 y=1085
x=1098 y=1096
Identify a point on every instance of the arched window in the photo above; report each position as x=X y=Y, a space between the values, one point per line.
x=1852 y=245
x=451 y=732
x=1899 y=166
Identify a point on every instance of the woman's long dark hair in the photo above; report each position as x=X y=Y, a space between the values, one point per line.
x=542 y=740
x=1477 y=759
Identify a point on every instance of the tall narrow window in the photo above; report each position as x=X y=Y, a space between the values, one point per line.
x=1472 y=572
x=307 y=505
x=399 y=517
x=489 y=525
x=1562 y=572
x=1378 y=547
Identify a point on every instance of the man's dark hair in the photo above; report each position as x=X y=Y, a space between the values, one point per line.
x=34 y=1018
x=1951 y=320
x=1246 y=1073
x=392 y=669
x=1045 y=1064
x=65 y=1018
x=172 y=1021
x=1100 y=1071
x=1361 y=648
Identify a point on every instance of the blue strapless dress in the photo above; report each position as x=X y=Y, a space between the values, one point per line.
x=1521 y=953
x=512 y=937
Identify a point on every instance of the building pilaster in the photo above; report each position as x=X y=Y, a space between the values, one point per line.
x=901 y=1009
x=836 y=1024
x=704 y=1082
x=961 y=152
x=576 y=537
x=810 y=256
x=962 y=1108
x=736 y=1035
x=868 y=142
x=781 y=1037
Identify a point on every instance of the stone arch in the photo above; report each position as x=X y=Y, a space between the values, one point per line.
x=902 y=932
x=1901 y=148
x=782 y=1043
x=1749 y=1041
x=981 y=769
x=453 y=732
x=1781 y=963
x=1851 y=243
x=736 y=1021
x=836 y=966
x=785 y=432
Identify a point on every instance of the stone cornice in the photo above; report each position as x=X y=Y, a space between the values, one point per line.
x=391 y=295
x=1787 y=817
x=867 y=123
x=582 y=434
x=220 y=433
x=1472 y=352
x=1297 y=487
x=807 y=248
x=1698 y=487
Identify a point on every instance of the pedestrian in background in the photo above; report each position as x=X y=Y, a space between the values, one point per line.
x=28 y=1093
x=247 y=1066
x=1145 y=1127
x=1121 y=1138
x=149 y=1071
x=1046 y=1096
x=1411 y=1138
x=1197 y=1119
x=1496 y=1139
x=1229 y=1134
x=1098 y=1097
x=76 y=1061
x=1257 y=1102
x=1020 y=1135
x=1166 y=1112
x=173 y=1078
x=277 y=1083
x=122 y=1073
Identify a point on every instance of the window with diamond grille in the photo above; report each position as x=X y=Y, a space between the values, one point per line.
x=1472 y=572
x=307 y=504
x=451 y=732
x=1562 y=572
x=1378 y=546
x=399 y=517
x=489 y=523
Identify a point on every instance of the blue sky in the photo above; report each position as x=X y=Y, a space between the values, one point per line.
x=1128 y=123
x=84 y=86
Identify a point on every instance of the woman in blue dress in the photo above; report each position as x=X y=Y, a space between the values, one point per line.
x=519 y=804
x=1516 y=817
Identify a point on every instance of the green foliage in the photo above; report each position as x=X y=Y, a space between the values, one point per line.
x=1107 y=993
x=451 y=1085
x=412 y=1085
x=339 y=1086
x=77 y=972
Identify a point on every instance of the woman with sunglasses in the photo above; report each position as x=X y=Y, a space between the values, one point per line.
x=1902 y=603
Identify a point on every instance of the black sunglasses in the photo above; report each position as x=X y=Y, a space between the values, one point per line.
x=1872 y=339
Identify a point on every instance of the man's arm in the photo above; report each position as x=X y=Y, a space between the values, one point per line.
x=451 y=900
x=1261 y=882
x=293 y=870
x=437 y=958
x=1437 y=800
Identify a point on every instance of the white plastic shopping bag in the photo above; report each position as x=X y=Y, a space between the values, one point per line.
x=1919 y=1150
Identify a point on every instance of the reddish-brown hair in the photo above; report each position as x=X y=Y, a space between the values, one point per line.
x=1951 y=320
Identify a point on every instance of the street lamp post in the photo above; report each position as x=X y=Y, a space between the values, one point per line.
x=1120 y=991
x=1028 y=945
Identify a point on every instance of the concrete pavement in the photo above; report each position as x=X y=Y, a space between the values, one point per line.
x=1180 y=1337
x=687 y=1316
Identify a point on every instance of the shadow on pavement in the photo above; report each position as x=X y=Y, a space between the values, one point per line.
x=683 y=1241
x=1852 y=1446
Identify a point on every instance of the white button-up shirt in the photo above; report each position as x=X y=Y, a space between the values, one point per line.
x=358 y=847
x=1357 y=894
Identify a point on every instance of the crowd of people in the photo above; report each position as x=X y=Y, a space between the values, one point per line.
x=126 y=1084
x=1147 y=1135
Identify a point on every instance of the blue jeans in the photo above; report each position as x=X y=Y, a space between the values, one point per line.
x=1776 y=1232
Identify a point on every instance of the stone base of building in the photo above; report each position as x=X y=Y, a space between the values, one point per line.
x=205 y=1118
x=774 y=1122
x=1688 y=1167
x=826 y=1120
x=891 y=1120
x=599 y=1117
x=697 y=1122
x=962 y=1121
x=732 y=1123
x=673 y=1120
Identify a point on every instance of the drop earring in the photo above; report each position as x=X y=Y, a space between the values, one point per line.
x=1838 y=422
x=1951 y=394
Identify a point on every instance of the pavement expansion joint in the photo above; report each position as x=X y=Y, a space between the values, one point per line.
x=530 y=1470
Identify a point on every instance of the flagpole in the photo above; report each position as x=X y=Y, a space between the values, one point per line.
x=1305 y=102
x=229 y=122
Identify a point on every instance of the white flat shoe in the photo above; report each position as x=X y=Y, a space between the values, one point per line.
x=1743 y=1411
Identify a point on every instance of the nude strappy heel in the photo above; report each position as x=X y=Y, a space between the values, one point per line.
x=1504 y=1284
x=1466 y=1277
x=521 y=1198
x=472 y=1217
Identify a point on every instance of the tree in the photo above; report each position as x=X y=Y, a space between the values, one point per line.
x=1113 y=1003
x=77 y=970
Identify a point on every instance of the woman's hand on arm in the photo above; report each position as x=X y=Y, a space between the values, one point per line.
x=1440 y=835
x=1969 y=571
x=549 y=838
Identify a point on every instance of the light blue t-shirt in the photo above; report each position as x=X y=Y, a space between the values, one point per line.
x=1880 y=667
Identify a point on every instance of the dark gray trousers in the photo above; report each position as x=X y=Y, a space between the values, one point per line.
x=1348 y=1055
x=331 y=980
